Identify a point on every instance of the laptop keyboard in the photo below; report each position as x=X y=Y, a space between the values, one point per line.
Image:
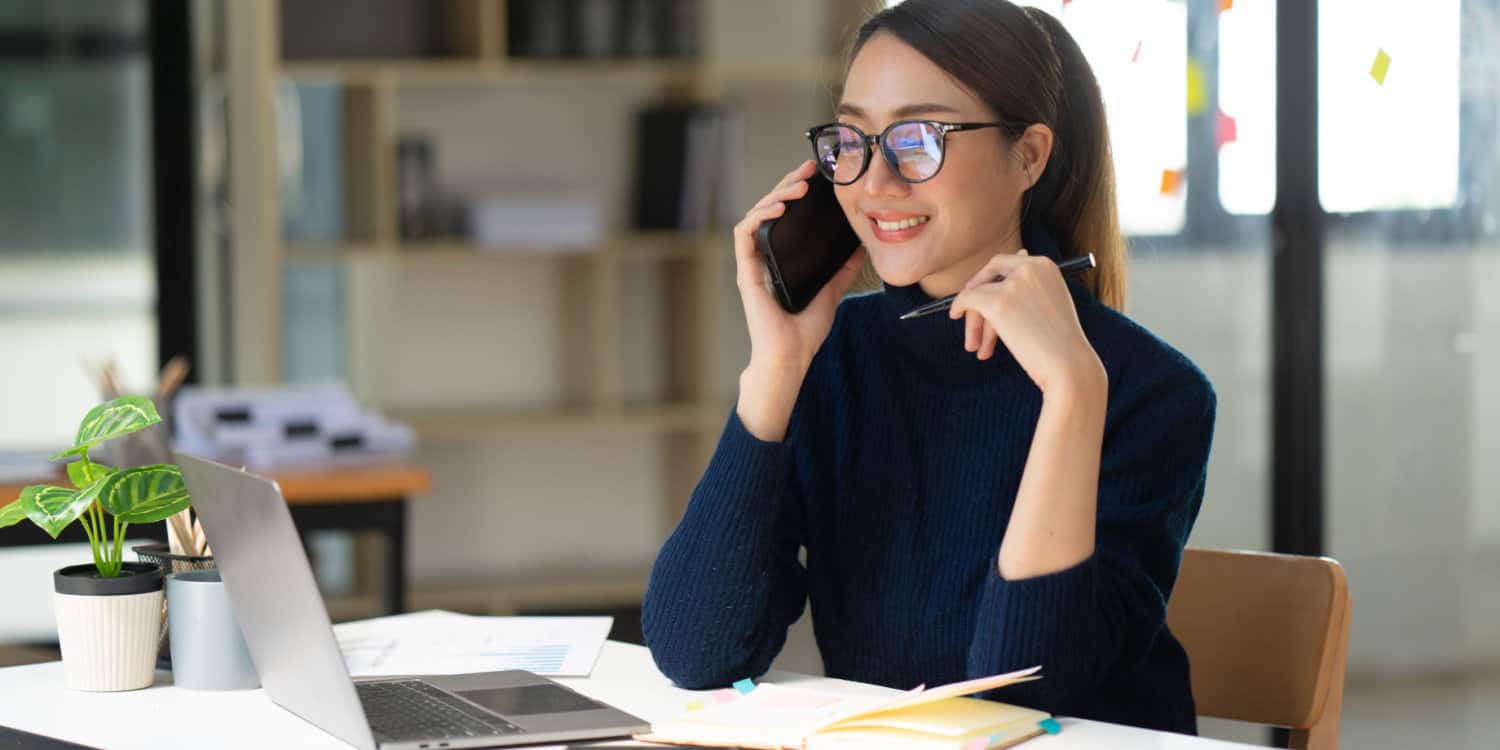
x=407 y=710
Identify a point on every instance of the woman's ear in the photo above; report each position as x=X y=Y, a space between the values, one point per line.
x=1034 y=148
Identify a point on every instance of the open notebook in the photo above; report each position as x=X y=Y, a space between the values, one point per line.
x=772 y=717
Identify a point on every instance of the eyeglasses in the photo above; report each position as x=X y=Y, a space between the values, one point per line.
x=912 y=148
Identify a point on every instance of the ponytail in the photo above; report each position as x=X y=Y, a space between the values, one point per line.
x=1076 y=194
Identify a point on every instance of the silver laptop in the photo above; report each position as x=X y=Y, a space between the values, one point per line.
x=260 y=557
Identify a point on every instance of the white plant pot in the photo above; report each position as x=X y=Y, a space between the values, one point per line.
x=108 y=628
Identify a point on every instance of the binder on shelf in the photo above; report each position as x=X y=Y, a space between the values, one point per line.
x=686 y=167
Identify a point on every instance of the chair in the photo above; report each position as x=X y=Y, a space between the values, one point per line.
x=1267 y=637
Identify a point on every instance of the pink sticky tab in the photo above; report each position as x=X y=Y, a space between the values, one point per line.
x=725 y=695
x=977 y=744
x=1225 y=130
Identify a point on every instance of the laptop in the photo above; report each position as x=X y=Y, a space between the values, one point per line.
x=270 y=583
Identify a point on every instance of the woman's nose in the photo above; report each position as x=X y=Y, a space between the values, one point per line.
x=881 y=180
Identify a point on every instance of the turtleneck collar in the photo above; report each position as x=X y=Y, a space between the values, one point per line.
x=938 y=341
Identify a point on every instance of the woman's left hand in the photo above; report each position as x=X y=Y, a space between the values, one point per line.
x=1031 y=310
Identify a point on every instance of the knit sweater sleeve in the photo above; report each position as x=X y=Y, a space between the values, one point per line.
x=1101 y=616
x=727 y=583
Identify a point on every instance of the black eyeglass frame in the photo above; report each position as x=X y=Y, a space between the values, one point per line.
x=1013 y=127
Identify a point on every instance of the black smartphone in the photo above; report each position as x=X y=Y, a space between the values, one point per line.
x=806 y=245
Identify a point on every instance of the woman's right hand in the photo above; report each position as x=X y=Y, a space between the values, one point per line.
x=782 y=345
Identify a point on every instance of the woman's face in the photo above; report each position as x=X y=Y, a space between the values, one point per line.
x=967 y=213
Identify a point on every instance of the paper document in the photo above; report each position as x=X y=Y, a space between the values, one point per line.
x=437 y=642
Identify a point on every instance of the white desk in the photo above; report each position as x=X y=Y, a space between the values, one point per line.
x=33 y=699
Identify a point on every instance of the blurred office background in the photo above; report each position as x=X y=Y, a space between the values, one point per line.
x=442 y=206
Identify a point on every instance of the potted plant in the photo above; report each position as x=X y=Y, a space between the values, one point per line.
x=108 y=611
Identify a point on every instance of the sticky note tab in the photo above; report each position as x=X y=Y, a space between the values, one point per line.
x=1226 y=5
x=694 y=705
x=1171 y=181
x=1050 y=726
x=725 y=695
x=1136 y=56
x=1225 y=131
x=977 y=744
x=1197 y=89
x=744 y=686
x=1381 y=67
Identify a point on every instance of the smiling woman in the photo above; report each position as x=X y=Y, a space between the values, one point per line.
x=1008 y=486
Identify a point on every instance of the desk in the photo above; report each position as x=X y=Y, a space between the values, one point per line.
x=369 y=498
x=33 y=699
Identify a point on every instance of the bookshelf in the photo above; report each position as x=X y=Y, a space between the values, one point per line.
x=469 y=58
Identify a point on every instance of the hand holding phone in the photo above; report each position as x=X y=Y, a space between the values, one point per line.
x=782 y=343
x=806 y=245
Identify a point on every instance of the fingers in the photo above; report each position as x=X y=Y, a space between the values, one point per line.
x=798 y=175
x=987 y=341
x=1000 y=266
x=748 y=264
x=973 y=324
x=789 y=192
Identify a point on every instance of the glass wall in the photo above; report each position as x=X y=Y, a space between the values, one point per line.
x=1409 y=174
x=76 y=280
x=77 y=284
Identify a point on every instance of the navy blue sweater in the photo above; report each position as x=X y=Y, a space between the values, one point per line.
x=897 y=475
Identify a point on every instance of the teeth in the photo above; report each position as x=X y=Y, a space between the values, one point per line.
x=891 y=226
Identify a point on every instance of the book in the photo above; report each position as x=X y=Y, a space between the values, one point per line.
x=776 y=717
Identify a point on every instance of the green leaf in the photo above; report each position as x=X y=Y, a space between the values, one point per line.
x=53 y=508
x=145 y=494
x=79 y=472
x=13 y=513
x=110 y=420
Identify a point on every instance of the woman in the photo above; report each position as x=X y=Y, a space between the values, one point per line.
x=1007 y=485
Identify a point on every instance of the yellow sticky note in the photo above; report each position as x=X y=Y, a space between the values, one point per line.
x=1197 y=89
x=694 y=705
x=1381 y=66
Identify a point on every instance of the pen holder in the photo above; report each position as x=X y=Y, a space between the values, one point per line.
x=208 y=649
x=170 y=563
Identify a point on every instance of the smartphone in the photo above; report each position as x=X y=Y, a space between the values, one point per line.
x=806 y=245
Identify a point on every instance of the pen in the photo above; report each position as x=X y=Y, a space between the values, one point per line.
x=1069 y=267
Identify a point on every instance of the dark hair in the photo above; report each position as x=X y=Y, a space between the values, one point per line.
x=1026 y=66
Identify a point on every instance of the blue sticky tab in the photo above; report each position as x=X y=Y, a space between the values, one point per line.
x=1050 y=726
x=744 y=686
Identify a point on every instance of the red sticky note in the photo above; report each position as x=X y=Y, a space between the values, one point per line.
x=1225 y=131
x=1171 y=181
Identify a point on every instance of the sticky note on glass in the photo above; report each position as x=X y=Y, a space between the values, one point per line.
x=1225 y=5
x=1197 y=89
x=1225 y=130
x=744 y=686
x=1381 y=67
x=694 y=705
x=1050 y=726
x=1171 y=181
x=725 y=695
